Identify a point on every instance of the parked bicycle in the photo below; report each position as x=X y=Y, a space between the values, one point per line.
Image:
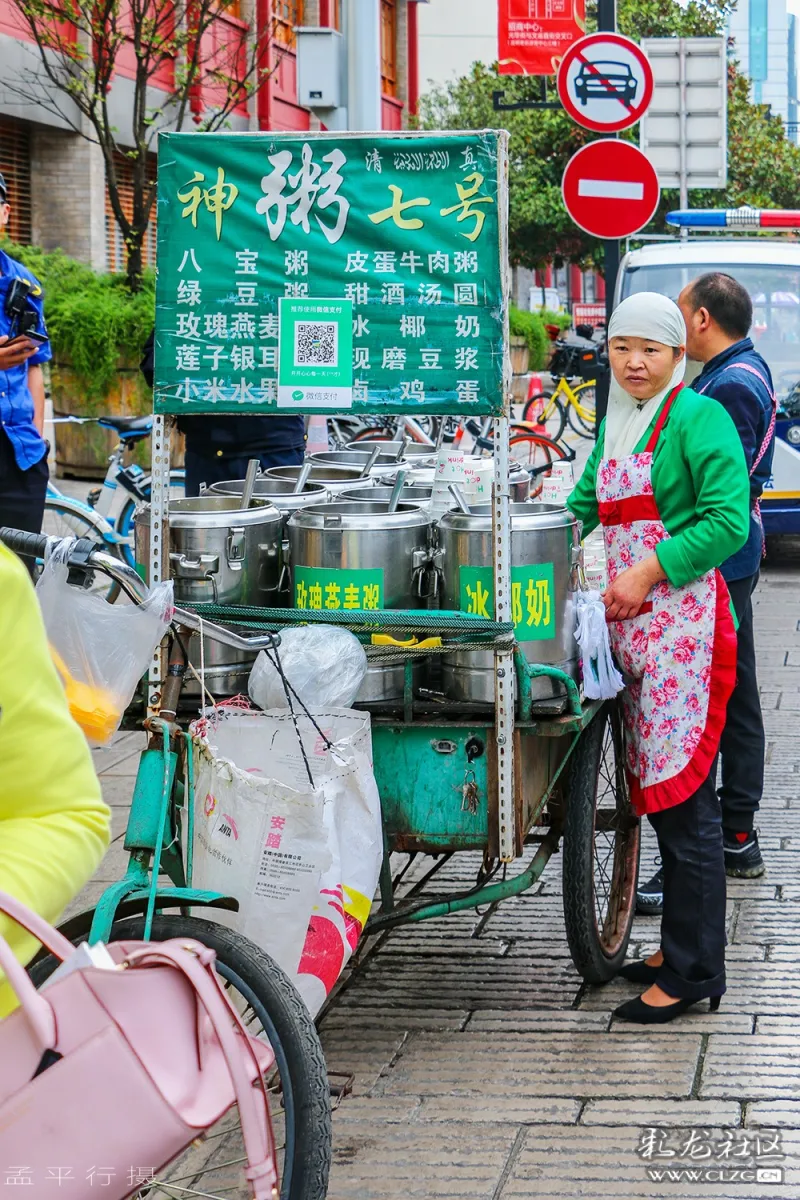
x=158 y=840
x=574 y=367
x=94 y=517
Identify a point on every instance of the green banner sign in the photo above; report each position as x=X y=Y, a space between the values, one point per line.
x=409 y=229
x=532 y=598
x=329 y=590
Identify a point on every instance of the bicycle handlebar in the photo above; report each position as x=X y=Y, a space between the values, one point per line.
x=87 y=555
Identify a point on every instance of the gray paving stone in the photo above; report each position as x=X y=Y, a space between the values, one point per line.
x=775 y=1113
x=754 y=1068
x=683 y=1114
x=538 y=1110
x=424 y=1162
x=533 y=1021
x=549 y=1065
x=769 y=922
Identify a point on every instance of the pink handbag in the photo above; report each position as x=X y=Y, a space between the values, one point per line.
x=118 y=1071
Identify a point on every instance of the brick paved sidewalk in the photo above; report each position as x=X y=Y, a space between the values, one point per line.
x=486 y=1071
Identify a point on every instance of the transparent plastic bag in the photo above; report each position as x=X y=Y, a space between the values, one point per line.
x=100 y=650
x=324 y=664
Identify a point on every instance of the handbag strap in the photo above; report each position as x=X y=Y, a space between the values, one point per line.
x=197 y=964
x=54 y=941
x=36 y=1008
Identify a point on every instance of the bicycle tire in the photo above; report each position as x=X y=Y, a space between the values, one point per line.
x=124 y=522
x=549 y=449
x=288 y=1027
x=556 y=421
x=587 y=398
x=598 y=940
x=61 y=521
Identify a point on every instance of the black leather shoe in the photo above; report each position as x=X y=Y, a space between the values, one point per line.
x=648 y=1014
x=650 y=895
x=742 y=859
x=638 y=972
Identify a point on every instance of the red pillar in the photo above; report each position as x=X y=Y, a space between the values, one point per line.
x=600 y=287
x=263 y=94
x=413 y=59
x=325 y=13
x=575 y=285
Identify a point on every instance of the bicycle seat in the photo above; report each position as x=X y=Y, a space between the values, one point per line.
x=130 y=429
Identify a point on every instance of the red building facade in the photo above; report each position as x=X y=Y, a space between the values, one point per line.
x=57 y=179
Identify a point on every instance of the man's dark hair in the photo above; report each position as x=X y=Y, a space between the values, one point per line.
x=726 y=301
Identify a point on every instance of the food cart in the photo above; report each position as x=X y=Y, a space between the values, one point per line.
x=326 y=273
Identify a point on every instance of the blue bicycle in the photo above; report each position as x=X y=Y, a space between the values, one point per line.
x=65 y=516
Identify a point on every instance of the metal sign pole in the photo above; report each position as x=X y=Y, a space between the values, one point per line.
x=159 y=543
x=607 y=22
x=682 y=116
x=501 y=547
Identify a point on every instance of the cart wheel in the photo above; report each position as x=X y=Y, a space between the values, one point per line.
x=298 y=1088
x=601 y=850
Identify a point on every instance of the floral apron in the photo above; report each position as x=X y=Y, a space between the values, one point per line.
x=678 y=654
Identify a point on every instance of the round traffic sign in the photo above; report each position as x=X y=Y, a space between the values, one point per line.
x=610 y=188
x=605 y=82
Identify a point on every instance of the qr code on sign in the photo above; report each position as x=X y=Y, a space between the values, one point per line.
x=316 y=344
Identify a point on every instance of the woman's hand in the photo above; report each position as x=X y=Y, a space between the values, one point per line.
x=625 y=596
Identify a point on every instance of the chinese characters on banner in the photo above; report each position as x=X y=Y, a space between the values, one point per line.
x=533 y=34
x=408 y=229
x=532 y=598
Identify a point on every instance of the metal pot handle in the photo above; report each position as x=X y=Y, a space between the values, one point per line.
x=202 y=567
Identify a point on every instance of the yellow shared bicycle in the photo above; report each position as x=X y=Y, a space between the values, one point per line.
x=569 y=401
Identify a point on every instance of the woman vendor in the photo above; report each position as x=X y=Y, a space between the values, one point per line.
x=667 y=481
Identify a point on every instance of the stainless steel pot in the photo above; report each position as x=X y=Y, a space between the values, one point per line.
x=383 y=494
x=279 y=492
x=423 y=476
x=360 y=556
x=413 y=452
x=219 y=553
x=544 y=548
x=349 y=458
x=334 y=479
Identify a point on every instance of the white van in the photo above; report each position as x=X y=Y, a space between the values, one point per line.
x=770 y=270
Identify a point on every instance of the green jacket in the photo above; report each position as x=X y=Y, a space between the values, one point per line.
x=700 y=485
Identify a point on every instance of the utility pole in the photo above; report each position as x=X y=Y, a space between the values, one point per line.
x=607 y=23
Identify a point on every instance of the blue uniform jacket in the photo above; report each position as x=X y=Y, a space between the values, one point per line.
x=16 y=401
x=748 y=400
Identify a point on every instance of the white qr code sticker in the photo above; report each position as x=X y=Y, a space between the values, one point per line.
x=316 y=344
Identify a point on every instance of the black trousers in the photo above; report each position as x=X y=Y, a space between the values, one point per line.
x=213 y=468
x=693 y=922
x=742 y=744
x=22 y=493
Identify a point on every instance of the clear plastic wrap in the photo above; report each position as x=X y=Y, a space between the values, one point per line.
x=324 y=664
x=100 y=650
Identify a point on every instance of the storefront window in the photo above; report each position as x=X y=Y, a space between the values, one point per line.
x=389 y=47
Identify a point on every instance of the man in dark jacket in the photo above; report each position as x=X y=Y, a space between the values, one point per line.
x=719 y=312
x=219 y=446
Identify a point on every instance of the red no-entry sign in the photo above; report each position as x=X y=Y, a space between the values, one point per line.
x=605 y=82
x=610 y=189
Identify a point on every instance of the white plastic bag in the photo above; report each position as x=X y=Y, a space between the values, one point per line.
x=100 y=650
x=601 y=679
x=324 y=664
x=303 y=861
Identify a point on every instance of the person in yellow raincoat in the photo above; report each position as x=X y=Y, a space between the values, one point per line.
x=54 y=826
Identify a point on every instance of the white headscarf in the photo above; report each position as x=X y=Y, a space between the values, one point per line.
x=655 y=317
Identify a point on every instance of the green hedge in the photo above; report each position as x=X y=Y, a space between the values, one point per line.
x=530 y=326
x=93 y=320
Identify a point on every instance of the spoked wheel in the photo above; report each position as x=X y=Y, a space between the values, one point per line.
x=601 y=850
x=584 y=422
x=298 y=1087
x=544 y=410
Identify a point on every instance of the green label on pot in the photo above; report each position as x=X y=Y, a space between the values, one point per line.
x=532 y=598
x=331 y=590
